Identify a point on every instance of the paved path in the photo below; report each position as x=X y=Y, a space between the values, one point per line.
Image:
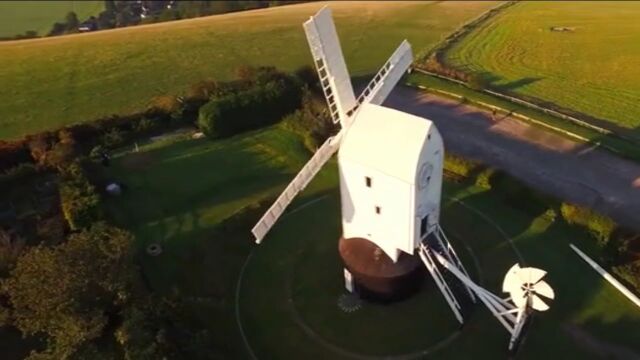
x=572 y=171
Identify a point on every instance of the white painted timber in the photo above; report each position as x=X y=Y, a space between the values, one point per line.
x=427 y=259
x=388 y=76
x=390 y=179
x=332 y=70
x=621 y=288
x=302 y=179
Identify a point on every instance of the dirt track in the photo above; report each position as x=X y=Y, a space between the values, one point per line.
x=572 y=171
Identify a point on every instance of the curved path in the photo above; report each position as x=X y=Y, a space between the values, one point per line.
x=572 y=171
x=295 y=316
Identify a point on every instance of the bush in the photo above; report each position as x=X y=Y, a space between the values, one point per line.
x=60 y=155
x=629 y=273
x=79 y=201
x=483 y=179
x=311 y=122
x=16 y=175
x=459 y=166
x=13 y=153
x=600 y=226
x=113 y=138
x=240 y=111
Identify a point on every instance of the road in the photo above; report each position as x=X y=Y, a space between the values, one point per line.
x=572 y=171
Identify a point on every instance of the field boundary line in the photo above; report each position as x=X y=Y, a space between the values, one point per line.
x=534 y=106
x=463 y=30
x=520 y=116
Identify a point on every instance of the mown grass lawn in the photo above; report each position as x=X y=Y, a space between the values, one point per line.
x=590 y=69
x=297 y=270
x=46 y=83
x=179 y=191
x=16 y=17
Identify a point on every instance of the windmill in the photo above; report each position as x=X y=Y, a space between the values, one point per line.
x=390 y=164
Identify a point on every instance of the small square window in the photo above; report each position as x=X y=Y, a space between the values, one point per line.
x=367 y=181
x=378 y=210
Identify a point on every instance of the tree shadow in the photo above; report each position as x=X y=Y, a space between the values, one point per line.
x=497 y=82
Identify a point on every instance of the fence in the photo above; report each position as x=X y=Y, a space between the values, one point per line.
x=530 y=105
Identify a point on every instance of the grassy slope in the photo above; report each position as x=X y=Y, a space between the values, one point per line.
x=16 y=17
x=590 y=70
x=50 y=82
x=187 y=187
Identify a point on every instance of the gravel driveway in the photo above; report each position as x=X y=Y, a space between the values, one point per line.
x=572 y=171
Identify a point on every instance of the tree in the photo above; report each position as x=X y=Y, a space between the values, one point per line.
x=261 y=105
x=71 y=21
x=106 y=20
x=79 y=201
x=68 y=292
x=123 y=19
x=110 y=6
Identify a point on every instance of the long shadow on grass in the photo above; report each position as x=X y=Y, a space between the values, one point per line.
x=583 y=299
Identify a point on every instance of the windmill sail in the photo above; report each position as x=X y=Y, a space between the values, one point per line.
x=298 y=184
x=338 y=91
x=388 y=76
x=332 y=70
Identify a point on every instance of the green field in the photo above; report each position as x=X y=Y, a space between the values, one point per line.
x=180 y=190
x=50 y=82
x=590 y=69
x=16 y=17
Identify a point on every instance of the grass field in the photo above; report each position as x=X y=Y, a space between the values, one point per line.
x=16 y=17
x=50 y=82
x=590 y=69
x=181 y=189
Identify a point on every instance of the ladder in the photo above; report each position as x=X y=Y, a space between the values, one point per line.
x=387 y=77
x=453 y=258
x=327 y=90
x=427 y=259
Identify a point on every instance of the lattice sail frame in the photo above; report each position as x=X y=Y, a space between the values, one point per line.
x=343 y=105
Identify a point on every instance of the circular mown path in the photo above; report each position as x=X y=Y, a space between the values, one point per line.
x=288 y=291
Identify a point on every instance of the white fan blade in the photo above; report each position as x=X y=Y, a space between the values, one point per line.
x=511 y=279
x=299 y=182
x=332 y=70
x=538 y=304
x=518 y=296
x=542 y=288
x=531 y=275
x=388 y=76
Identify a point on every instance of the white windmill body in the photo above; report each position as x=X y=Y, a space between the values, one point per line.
x=390 y=183
x=391 y=167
